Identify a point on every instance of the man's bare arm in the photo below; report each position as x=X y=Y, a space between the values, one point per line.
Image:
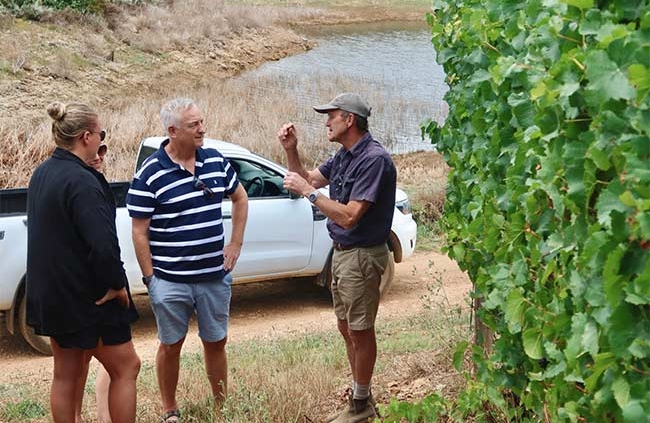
x=345 y=215
x=239 y=212
x=140 y=236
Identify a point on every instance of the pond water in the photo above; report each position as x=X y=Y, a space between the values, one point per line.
x=392 y=65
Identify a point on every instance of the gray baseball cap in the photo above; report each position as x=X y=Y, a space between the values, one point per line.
x=349 y=102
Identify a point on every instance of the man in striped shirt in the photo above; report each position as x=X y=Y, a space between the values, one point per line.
x=175 y=205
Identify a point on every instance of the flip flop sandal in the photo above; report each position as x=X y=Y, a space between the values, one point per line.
x=171 y=417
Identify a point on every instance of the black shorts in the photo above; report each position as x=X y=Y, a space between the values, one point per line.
x=88 y=338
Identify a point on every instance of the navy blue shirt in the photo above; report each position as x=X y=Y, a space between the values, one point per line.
x=73 y=255
x=364 y=173
x=186 y=231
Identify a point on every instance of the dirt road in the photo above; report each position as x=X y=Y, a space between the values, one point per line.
x=267 y=310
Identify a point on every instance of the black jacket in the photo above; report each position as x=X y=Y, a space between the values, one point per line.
x=73 y=255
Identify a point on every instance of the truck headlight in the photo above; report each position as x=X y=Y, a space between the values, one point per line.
x=404 y=206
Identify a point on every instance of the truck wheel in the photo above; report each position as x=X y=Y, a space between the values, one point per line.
x=324 y=278
x=38 y=342
x=388 y=276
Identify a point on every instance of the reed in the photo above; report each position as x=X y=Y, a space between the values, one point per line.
x=245 y=111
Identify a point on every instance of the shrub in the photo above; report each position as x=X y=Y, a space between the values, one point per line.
x=548 y=207
x=34 y=9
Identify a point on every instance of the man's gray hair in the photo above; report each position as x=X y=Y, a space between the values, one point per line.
x=170 y=113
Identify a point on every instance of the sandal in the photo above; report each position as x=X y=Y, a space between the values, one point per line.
x=171 y=416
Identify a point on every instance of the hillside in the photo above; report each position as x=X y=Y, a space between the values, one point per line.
x=130 y=60
x=150 y=49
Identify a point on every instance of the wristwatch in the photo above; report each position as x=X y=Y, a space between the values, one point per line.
x=146 y=280
x=313 y=196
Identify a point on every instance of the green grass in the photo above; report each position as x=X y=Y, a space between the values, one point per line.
x=22 y=403
x=23 y=410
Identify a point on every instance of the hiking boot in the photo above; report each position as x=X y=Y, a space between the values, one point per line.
x=358 y=412
x=334 y=415
x=371 y=400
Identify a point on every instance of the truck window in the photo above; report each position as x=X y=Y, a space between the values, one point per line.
x=145 y=151
x=258 y=181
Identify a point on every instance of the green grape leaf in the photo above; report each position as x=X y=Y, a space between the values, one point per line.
x=602 y=362
x=532 y=339
x=621 y=390
x=609 y=202
x=590 y=338
x=606 y=80
x=640 y=79
x=459 y=355
x=600 y=157
x=611 y=275
x=635 y=412
x=514 y=311
x=581 y=4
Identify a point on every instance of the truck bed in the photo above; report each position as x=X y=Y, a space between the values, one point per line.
x=14 y=201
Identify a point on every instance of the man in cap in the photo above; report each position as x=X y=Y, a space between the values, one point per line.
x=362 y=180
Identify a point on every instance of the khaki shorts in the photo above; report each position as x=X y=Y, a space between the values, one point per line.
x=356 y=275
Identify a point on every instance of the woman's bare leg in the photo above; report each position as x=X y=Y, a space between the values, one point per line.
x=102 y=385
x=68 y=368
x=81 y=388
x=122 y=364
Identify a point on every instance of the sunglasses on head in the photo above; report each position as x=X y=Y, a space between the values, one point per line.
x=199 y=184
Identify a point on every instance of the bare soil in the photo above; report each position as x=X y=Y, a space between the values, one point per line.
x=270 y=310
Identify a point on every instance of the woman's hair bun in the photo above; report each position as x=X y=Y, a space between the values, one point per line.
x=56 y=110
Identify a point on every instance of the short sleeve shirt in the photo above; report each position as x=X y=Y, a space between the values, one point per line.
x=186 y=234
x=364 y=173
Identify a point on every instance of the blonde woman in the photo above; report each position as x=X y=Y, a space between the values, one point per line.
x=76 y=284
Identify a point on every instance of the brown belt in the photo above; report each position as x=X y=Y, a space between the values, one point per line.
x=340 y=247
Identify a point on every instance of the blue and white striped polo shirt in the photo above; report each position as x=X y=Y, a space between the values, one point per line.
x=186 y=231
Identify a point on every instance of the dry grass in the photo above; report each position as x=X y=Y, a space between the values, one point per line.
x=235 y=110
x=424 y=176
x=137 y=59
x=159 y=27
x=141 y=56
x=297 y=379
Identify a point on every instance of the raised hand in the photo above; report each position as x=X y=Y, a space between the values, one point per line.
x=287 y=136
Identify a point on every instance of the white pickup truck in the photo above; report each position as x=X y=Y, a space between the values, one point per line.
x=285 y=235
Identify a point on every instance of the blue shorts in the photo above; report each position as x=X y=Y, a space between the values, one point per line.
x=174 y=303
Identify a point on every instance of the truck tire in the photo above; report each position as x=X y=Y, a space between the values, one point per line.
x=324 y=278
x=388 y=276
x=38 y=342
